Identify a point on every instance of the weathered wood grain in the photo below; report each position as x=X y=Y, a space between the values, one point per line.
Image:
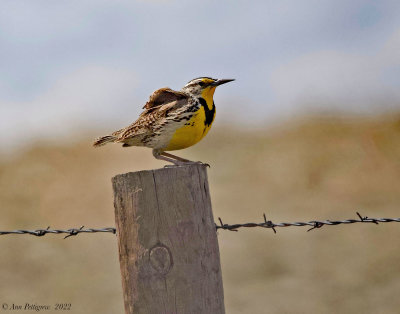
x=168 y=245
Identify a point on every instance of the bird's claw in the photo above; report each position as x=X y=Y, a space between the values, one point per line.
x=200 y=163
x=205 y=164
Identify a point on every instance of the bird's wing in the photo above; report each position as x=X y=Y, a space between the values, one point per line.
x=161 y=102
x=163 y=96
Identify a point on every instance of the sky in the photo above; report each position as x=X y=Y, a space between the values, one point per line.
x=72 y=64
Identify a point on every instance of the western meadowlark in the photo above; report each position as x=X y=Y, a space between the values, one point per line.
x=171 y=120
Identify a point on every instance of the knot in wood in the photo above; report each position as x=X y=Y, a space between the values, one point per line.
x=161 y=259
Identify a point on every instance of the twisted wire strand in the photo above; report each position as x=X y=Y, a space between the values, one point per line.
x=69 y=232
x=314 y=224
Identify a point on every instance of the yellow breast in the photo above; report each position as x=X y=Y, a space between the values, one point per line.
x=192 y=132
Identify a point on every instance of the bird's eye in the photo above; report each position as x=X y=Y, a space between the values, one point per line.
x=201 y=83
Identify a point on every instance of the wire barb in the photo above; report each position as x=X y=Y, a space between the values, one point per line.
x=317 y=224
x=269 y=223
x=73 y=232
x=366 y=219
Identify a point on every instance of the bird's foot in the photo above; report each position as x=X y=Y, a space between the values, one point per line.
x=187 y=163
x=172 y=166
x=202 y=163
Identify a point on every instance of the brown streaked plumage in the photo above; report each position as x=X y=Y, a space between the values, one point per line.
x=171 y=120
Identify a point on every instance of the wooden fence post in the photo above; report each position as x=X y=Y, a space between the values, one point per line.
x=168 y=247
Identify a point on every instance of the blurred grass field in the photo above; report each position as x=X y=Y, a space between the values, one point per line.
x=311 y=168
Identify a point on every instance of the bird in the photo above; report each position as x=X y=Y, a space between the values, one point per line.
x=171 y=120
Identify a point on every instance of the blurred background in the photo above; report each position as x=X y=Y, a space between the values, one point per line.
x=309 y=130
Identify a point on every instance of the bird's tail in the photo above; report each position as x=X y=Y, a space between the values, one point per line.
x=104 y=140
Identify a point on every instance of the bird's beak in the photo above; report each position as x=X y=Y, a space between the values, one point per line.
x=220 y=82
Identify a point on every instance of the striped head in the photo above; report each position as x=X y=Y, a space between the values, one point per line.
x=203 y=86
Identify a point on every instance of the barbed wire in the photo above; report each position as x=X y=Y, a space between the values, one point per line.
x=69 y=232
x=314 y=224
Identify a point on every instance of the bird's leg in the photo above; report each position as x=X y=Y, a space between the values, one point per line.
x=158 y=155
x=177 y=161
x=182 y=160
x=175 y=157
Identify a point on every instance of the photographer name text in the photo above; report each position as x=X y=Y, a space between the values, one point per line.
x=36 y=307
